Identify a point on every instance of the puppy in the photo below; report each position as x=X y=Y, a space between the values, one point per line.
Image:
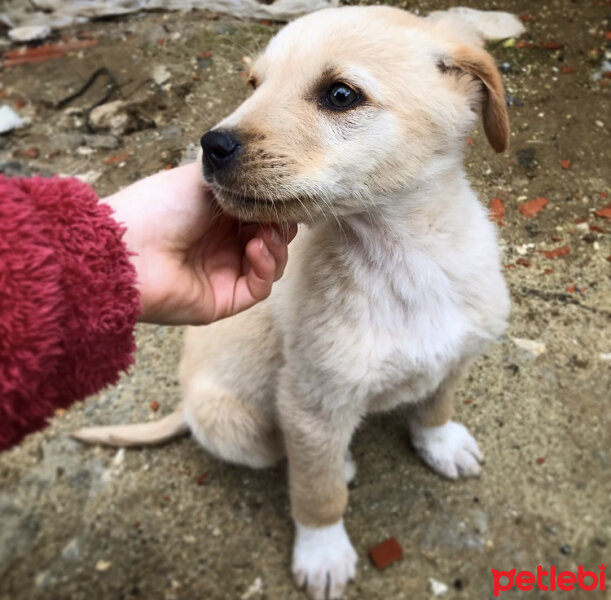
x=356 y=127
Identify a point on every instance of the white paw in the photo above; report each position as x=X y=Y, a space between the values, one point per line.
x=450 y=449
x=324 y=560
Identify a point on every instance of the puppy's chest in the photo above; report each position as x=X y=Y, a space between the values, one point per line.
x=378 y=323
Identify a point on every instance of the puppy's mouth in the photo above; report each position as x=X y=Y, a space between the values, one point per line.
x=260 y=209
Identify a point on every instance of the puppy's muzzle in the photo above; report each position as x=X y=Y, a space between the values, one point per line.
x=221 y=149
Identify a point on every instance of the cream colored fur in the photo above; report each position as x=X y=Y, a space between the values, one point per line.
x=392 y=288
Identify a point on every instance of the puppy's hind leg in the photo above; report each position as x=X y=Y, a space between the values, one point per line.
x=444 y=445
x=138 y=434
x=237 y=430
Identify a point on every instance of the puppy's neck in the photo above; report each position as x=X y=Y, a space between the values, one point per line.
x=437 y=203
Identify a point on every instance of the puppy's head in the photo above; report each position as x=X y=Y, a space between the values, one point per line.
x=350 y=106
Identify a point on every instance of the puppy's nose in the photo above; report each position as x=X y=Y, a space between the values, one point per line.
x=220 y=148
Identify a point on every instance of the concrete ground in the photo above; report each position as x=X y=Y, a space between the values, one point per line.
x=170 y=523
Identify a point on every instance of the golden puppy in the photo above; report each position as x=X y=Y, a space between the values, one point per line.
x=356 y=127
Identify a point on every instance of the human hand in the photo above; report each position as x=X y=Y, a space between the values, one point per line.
x=195 y=264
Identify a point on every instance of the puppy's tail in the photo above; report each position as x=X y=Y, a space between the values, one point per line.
x=139 y=434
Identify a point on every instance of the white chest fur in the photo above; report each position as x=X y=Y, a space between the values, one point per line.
x=384 y=303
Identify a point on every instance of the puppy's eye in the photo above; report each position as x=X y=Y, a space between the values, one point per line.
x=341 y=96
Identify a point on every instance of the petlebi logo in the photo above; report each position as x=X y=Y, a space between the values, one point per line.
x=550 y=580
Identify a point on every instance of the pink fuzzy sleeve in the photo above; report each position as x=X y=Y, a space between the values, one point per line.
x=68 y=303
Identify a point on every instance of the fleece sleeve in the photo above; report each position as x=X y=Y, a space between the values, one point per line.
x=68 y=301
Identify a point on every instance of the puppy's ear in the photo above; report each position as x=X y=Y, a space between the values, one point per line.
x=478 y=64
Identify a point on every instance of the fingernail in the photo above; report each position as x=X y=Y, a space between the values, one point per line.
x=264 y=248
x=276 y=237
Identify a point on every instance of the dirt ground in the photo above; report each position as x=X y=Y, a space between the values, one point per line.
x=173 y=523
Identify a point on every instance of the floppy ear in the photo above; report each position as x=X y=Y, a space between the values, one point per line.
x=478 y=64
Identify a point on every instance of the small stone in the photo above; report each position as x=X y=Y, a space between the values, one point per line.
x=113 y=117
x=533 y=347
x=255 y=589
x=565 y=549
x=438 y=587
x=101 y=141
x=161 y=74
x=29 y=33
x=103 y=565
x=9 y=119
x=527 y=158
x=119 y=457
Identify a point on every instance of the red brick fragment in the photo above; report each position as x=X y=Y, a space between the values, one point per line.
x=568 y=70
x=556 y=252
x=470 y=141
x=385 y=553
x=532 y=207
x=551 y=46
x=548 y=271
x=208 y=53
x=570 y=289
x=25 y=54
x=608 y=36
x=565 y=163
x=525 y=18
x=597 y=229
x=497 y=211
x=580 y=220
x=154 y=406
x=160 y=42
x=604 y=213
x=523 y=262
x=115 y=158
x=202 y=478
x=540 y=460
x=555 y=238
x=510 y=266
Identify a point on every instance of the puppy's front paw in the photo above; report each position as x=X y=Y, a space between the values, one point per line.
x=324 y=560
x=450 y=449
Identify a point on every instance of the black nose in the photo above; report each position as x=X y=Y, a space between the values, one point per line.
x=220 y=149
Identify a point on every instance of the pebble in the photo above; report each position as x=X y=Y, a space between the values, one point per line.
x=103 y=565
x=533 y=347
x=101 y=141
x=29 y=33
x=161 y=74
x=438 y=587
x=113 y=116
x=9 y=119
x=255 y=589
